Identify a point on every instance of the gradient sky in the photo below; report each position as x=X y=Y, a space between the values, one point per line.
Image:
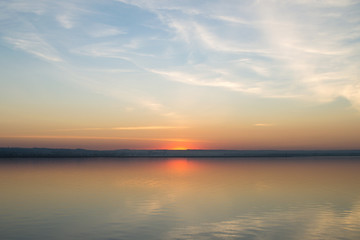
x=153 y=74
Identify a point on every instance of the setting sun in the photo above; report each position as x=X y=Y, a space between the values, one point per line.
x=181 y=145
x=179 y=148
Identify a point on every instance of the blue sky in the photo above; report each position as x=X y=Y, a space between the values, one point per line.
x=169 y=63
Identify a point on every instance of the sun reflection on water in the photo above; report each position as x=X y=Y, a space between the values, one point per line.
x=180 y=166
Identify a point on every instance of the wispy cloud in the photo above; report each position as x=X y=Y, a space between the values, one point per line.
x=123 y=128
x=102 y=30
x=263 y=124
x=310 y=54
x=34 y=44
x=103 y=49
x=203 y=80
x=38 y=7
x=297 y=46
x=186 y=140
x=65 y=21
x=149 y=128
x=233 y=19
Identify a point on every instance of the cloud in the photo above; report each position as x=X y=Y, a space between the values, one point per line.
x=148 y=128
x=232 y=19
x=293 y=53
x=319 y=57
x=264 y=48
x=101 y=138
x=102 y=30
x=263 y=125
x=103 y=49
x=326 y=3
x=202 y=80
x=69 y=14
x=34 y=44
x=38 y=7
x=65 y=21
x=124 y=50
x=123 y=128
x=161 y=109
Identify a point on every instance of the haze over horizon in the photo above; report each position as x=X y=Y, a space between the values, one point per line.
x=135 y=74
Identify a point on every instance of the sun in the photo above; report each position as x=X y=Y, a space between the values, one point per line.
x=179 y=148
x=180 y=145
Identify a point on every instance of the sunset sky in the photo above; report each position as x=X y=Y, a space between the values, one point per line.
x=156 y=74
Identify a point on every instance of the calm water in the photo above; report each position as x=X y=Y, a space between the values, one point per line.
x=179 y=198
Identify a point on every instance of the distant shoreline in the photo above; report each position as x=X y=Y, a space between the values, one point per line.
x=126 y=153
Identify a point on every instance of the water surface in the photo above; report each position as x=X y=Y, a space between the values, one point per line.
x=180 y=198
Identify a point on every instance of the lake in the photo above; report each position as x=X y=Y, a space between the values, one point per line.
x=180 y=198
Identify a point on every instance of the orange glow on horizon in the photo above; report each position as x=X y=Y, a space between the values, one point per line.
x=185 y=145
x=179 y=148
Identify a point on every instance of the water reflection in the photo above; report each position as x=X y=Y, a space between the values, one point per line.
x=316 y=222
x=179 y=166
x=180 y=199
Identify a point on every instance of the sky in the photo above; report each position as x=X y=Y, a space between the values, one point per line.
x=157 y=74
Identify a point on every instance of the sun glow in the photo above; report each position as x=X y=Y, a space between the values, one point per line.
x=181 y=145
x=179 y=148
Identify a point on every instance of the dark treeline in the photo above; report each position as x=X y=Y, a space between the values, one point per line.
x=74 y=153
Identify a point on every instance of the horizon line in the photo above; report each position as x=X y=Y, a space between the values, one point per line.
x=189 y=149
